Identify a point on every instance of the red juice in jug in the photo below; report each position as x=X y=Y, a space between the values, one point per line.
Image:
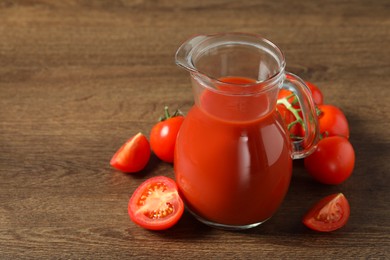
x=232 y=172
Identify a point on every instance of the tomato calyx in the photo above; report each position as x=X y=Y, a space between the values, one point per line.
x=167 y=115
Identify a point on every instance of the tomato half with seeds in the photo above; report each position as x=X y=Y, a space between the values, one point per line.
x=156 y=204
x=329 y=214
x=133 y=155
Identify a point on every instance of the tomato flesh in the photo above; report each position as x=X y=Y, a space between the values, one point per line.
x=133 y=155
x=329 y=214
x=156 y=204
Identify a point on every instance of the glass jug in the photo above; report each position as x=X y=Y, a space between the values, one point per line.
x=233 y=154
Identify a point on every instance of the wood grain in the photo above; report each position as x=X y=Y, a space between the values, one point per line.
x=77 y=78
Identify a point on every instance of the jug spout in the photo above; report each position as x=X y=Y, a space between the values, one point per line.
x=217 y=56
x=184 y=55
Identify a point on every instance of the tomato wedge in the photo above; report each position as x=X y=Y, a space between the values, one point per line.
x=329 y=214
x=156 y=204
x=133 y=155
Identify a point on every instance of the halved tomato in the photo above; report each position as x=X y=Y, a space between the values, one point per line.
x=329 y=214
x=156 y=204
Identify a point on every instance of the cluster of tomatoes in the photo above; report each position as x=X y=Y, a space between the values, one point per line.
x=156 y=203
x=331 y=163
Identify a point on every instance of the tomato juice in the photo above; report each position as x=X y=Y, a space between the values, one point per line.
x=233 y=162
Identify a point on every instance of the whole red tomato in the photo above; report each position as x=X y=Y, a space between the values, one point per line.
x=332 y=121
x=163 y=135
x=333 y=160
x=133 y=155
x=316 y=93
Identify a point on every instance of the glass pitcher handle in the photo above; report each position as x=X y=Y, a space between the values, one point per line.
x=307 y=145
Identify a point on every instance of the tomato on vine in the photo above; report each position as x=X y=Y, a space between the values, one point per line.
x=332 y=121
x=164 y=133
x=289 y=109
x=293 y=124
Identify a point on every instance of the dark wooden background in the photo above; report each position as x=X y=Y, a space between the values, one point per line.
x=78 y=78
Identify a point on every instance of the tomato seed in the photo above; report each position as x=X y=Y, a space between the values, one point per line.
x=160 y=213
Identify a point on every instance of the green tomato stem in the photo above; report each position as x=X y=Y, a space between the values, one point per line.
x=294 y=111
x=166 y=112
x=167 y=115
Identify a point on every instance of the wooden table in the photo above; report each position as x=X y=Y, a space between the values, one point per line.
x=77 y=78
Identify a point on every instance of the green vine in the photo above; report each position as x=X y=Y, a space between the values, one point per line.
x=295 y=111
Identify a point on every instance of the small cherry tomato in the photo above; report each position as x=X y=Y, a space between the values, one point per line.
x=133 y=155
x=333 y=160
x=329 y=214
x=163 y=135
x=156 y=204
x=332 y=121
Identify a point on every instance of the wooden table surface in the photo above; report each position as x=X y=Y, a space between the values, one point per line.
x=78 y=78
